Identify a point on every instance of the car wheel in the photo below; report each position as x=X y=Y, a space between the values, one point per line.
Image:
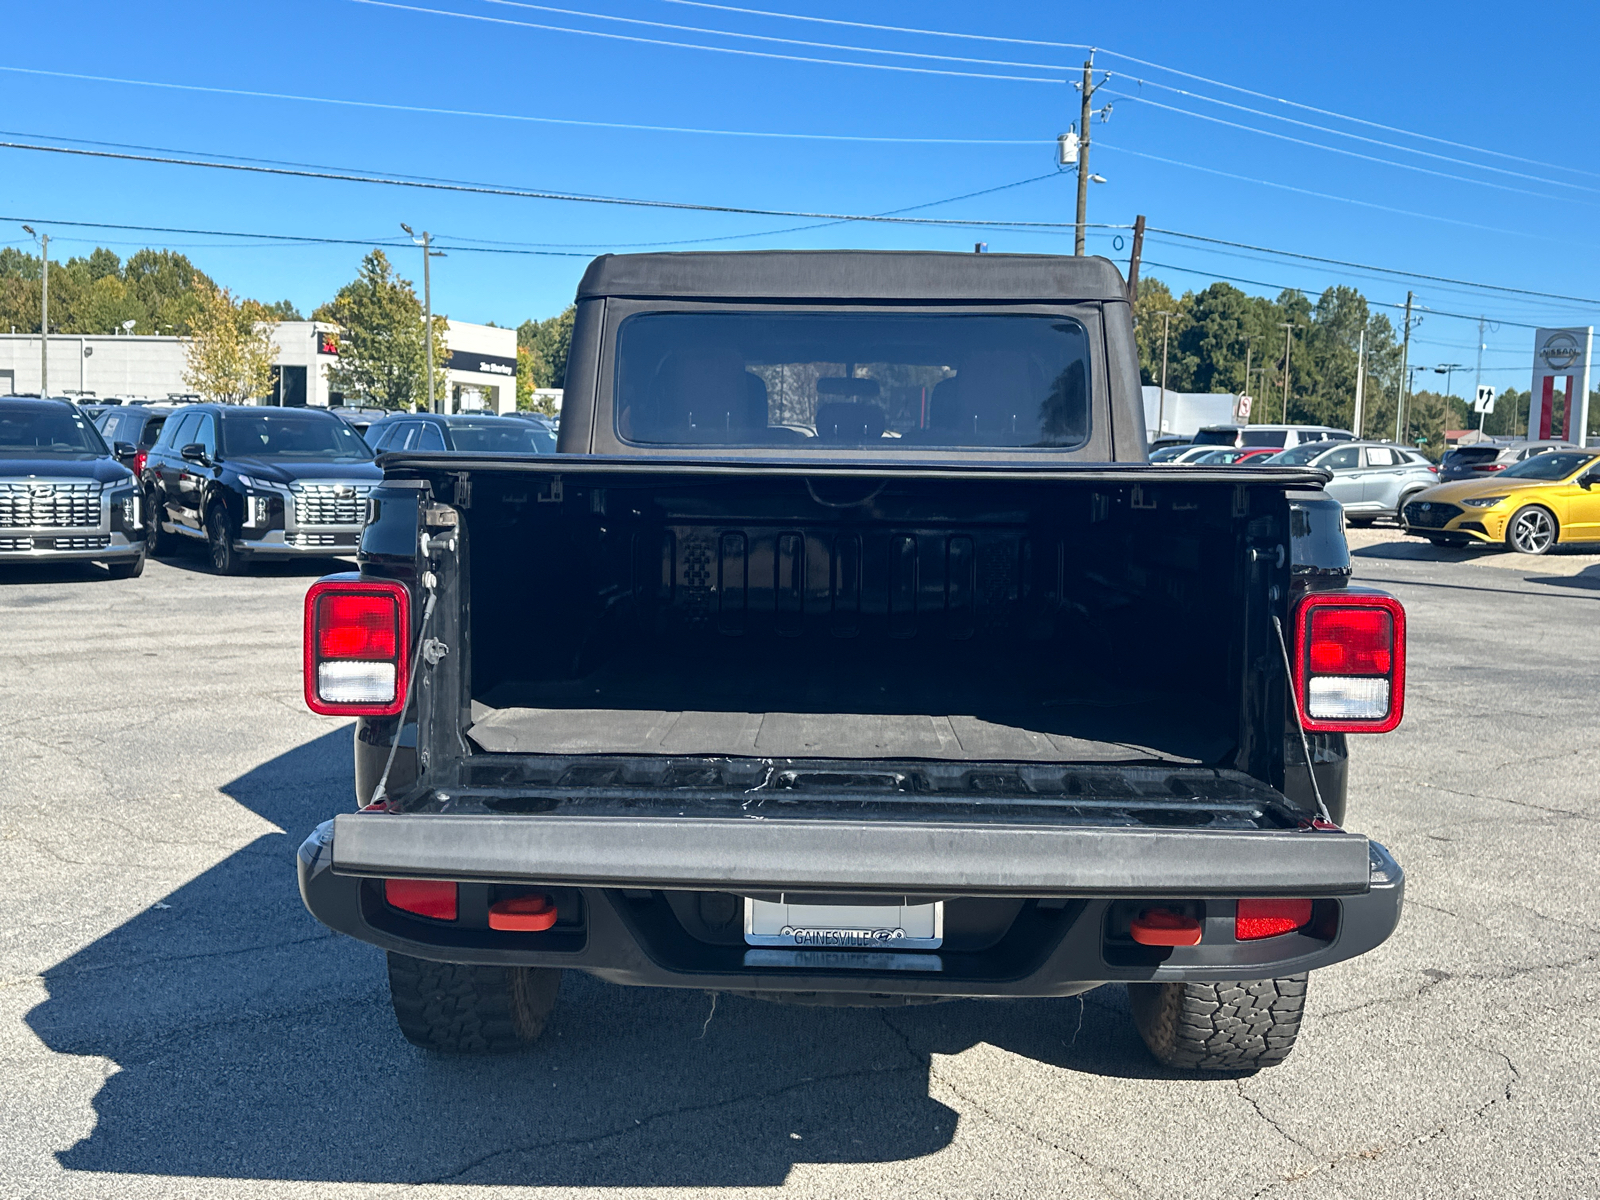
x=1219 y=1026
x=127 y=570
x=1532 y=530
x=158 y=542
x=462 y=1009
x=219 y=538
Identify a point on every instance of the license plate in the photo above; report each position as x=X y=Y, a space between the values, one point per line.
x=844 y=926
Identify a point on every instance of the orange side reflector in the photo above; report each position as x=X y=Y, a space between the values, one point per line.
x=1161 y=927
x=524 y=913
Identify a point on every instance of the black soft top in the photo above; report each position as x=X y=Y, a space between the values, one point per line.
x=853 y=275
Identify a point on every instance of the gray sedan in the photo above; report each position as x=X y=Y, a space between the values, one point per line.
x=1371 y=479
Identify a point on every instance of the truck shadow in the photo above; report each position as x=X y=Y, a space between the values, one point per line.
x=247 y=1041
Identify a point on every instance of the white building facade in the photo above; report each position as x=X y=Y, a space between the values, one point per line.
x=482 y=366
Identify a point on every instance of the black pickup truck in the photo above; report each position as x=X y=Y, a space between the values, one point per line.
x=828 y=661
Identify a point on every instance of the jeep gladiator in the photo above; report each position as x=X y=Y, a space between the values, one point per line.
x=830 y=660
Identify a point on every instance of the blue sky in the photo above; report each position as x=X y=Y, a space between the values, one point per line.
x=1487 y=77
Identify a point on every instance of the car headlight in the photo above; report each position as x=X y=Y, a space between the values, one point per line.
x=1484 y=501
x=130 y=510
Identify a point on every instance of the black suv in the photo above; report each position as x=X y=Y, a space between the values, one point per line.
x=254 y=481
x=139 y=425
x=63 y=495
x=482 y=433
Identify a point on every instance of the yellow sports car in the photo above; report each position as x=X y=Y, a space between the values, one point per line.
x=1549 y=498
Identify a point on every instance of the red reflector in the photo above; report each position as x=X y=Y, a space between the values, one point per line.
x=1161 y=927
x=138 y=464
x=357 y=625
x=1268 y=918
x=1351 y=641
x=425 y=897
x=527 y=913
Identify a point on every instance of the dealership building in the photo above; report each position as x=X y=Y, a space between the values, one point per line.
x=482 y=366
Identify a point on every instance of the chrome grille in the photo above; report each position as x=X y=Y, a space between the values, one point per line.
x=80 y=543
x=16 y=544
x=330 y=503
x=305 y=540
x=49 y=505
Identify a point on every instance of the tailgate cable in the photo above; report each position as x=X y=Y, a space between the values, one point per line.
x=379 y=793
x=1299 y=724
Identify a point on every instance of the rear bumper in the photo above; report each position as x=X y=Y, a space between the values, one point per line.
x=628 y=882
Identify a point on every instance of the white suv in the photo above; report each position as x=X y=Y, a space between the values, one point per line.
x=1282 y=437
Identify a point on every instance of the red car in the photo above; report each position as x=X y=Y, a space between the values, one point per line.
x=1235 y=455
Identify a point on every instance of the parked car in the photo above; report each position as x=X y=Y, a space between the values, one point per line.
x=885 y=726
x=1166 y=441
x=1184 y=455
x=359 y=417
x=1230 y=456
x=1281 y=437
x=1371 y=479
x=139 y=425
x=1488 y=458
x=470 y=433
x=256 y=482
x=64 y=495
x=550 y=429
x=1169 y=452
x=1548 y=499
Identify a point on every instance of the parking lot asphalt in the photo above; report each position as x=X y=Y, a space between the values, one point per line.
x=173 y=1023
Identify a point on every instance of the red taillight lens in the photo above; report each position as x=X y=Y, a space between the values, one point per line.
x=1349 y=674
x=1351 y=641
x=138 y=463
x=424 y=897
x=362 y=625
x=1495 y=466
x=1258 y=919
x=355 y=647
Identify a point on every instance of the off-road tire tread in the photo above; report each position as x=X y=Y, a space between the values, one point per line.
x=1220 y=1026
x=459 y=1009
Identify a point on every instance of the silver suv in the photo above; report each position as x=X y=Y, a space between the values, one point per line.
x=1371 y=479
x=1485 y=458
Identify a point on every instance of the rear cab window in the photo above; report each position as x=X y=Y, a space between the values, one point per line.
x=885 y=381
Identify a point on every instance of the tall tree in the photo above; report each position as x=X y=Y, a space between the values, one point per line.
x=230 y=351
x=382 y=339
x=547 y=343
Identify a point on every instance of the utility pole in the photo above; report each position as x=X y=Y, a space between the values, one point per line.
x=1133 y=259
x=1400 y=391
x=1249 y=345
x=426 y=242
x=1288 y=349
x=1361 y=383
x=44 y=311
x=1161 y=405
x=1088 y=87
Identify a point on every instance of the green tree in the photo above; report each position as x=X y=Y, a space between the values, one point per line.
x=547 y=342
x=382 y=339
x=230 y=351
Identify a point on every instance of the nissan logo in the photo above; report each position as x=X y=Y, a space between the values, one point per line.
x=1560 y=351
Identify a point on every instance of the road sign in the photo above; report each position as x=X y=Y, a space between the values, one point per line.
x=1485 y=400
x=1244 y=408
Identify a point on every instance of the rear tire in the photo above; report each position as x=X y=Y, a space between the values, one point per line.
x=458 y=1009
x=1220 y=1026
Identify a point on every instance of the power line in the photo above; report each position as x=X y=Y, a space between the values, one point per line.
x=1284 y=137
x=1143 y=62
x=758 y=37
x=627 y=37
x=498 y=116
x=483 y=189
x=572 y=12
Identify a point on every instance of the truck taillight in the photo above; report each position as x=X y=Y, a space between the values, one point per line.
x=1350 y=662
x=355 y=647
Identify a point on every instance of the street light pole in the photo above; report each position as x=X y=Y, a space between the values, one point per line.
x=44 y=311
x=1288 y=350
x=1161 y=404
x=426 y=242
